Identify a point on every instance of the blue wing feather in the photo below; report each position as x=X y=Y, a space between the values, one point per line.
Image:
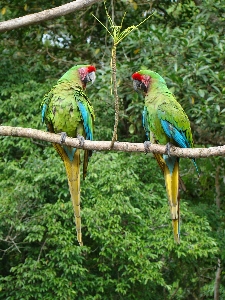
x=44 y=108
x=145 y=122
x=86 y=116
x=177 y=135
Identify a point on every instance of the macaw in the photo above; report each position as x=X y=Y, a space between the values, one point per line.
x=165 y=123
x=67 y=110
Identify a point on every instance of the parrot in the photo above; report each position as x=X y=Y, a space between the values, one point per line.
x=66 y=110
x=165 y=123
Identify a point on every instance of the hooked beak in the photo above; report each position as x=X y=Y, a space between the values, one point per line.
x=136 y=85
x=139 y=86
x=90 y=77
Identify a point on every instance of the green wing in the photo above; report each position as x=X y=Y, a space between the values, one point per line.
x=175 y=124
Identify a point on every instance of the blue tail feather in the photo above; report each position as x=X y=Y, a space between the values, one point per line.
x=170 y=162
x=70 y=152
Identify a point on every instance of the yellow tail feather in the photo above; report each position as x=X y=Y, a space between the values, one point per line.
x=73 y=176
x=161 y=163
x=172 y=188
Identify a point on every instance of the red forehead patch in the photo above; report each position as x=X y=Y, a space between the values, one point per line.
x=137 y=76
x=91 y=69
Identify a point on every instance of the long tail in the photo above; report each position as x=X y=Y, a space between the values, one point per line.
x=161 y=163
x=172 y=187
x=73 y=176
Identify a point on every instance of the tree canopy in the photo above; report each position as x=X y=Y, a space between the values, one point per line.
x=129 y=251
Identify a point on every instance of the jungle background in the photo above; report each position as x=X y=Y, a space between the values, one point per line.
x=129 y=250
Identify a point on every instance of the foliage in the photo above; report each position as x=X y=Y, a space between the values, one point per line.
x=128 y=252
x=129 y=248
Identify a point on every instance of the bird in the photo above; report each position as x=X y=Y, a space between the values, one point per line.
x=165 y=123
x=66 y=110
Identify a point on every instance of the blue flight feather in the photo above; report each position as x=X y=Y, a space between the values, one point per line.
x=178 y=136
x=86 y=117
x=145 y=122
x=44 y=108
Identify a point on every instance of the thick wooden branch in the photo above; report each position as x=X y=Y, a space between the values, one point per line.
x=106 y=145
x=46 y=15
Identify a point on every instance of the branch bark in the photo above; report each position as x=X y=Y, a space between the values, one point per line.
x=217 y=282
x=106 y=145
x=46 y=15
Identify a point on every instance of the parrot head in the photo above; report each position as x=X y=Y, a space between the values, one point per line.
x=83 y=73
x=87 y=74
x=143 y=79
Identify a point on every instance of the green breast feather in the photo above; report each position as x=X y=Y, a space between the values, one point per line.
x=62 y=113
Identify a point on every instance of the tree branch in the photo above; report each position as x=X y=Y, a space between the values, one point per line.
x=106 y=145
x=46 y=14
x=217 y=281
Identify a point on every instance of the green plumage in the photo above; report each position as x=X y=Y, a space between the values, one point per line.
x=62 y=111
x=161 y=105
x=165 y=121
x=66 y=108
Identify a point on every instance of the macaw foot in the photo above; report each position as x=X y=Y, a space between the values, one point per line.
x=81 y=140
x=168 y=146
x=63 y=137
x=147 y=145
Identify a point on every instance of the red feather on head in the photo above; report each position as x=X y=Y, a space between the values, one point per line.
x=85 y=70
x=91 y=69
x=137 y=76
x=144 y=79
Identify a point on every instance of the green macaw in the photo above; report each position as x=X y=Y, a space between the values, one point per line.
x=67 y=110
x=165 y=122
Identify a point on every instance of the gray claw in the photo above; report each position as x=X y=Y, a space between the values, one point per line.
x=63 y=137
x=147 y=145
x=168 y=146
x=81 y=140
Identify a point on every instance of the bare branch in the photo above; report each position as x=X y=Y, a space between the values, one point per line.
x=46 y=14
x=42 y=247
x=106 y=145
x=217 y=281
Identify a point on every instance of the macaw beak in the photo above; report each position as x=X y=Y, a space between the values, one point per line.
x=90 y=77
x=139 y=86
x=136 y=85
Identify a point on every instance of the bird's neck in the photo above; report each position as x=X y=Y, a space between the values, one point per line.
x=72 y=77
x=156 y=90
